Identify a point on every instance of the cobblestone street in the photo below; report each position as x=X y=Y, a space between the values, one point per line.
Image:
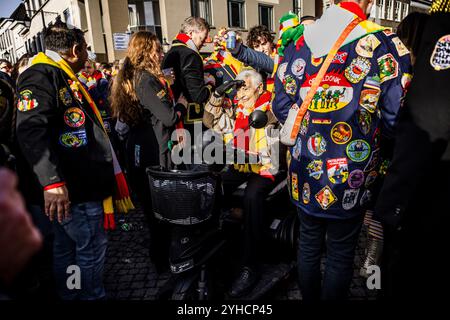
x=129 y=274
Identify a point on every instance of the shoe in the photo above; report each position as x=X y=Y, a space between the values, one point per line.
x=373 y=254
x=244 y=283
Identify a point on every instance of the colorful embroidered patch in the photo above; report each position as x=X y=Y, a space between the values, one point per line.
x=372 y=82
x=306 y=193
x=26 y=101
x=358 y=150
x=73 y=139
x=388 y=32
x=375 y=159
x=371 y=177
x=341 y=133
x=305 y=124
x=281 y=71
x=316 y=61
x=337 y=170
x=364 y=120
x=298 y=68
x=388 y=67
x=334 y=93
x=401 y=49
x=74 y=117
x=321 y=121
x=356 y=179
x=440 y=59
x=297 y=150
x=161 y=94
x=367 y=45
x=290 y=86
x=315 y=169
x=65 y=96
x=317 y=144
x=340 y=58
x=294 y=188
x=358 y=69
x=365 y=198
x=350 y=198
x=406 y=81
x=369 y=99
x=326 y=197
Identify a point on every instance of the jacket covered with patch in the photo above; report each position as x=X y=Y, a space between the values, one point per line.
x=336 y=158
x=60 y=136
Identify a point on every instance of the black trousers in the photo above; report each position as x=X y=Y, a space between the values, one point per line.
x=255 y=194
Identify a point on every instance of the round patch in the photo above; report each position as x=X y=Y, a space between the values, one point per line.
x=317 y=144
x=219 y=74
x=281 y=71
x=290 y=86
x=341 y=133
x=306 y=193
x=358 y=150
x=74 y=117
x=364 y=120
x=73 y=139
x=298 y=68
x=356 y=179
x=358 y=69
x=440 y=58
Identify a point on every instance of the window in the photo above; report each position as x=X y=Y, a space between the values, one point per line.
x=144 y=15
x=398 y=11
x=236 y=13
x=405 y=10
x=298 y=7
x=390 y=9
x=381 y=9
x=266 y=16
x=202 y=9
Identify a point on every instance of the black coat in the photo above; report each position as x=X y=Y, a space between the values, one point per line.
x=6 y=120
x=60 y=138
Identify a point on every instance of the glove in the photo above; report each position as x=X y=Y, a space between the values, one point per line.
x=226 y=86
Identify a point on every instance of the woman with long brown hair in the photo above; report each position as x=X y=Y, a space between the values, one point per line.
x=141 y=98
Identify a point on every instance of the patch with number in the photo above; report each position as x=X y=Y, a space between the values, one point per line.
x=294 y=183
x=326 y=198
x=74 y=139
x=364 y=119
x=358 y=69
x=305 y=124
x=289 y=84
x=297 y=150
x=315 y=169
x=358 y=150
x=365 y=198
x=371 y=177
x=401 y=49
x=340 y=58
x=334 y=92
x=356 y=179
x=366 y=46
x=350 y=198
x=74 y=117
x=26 y=101
x=316 y=61
x=65 y=96
x=337 y=170
x=282 y=71
x=440 y=59
x=317 y=144
x=341 y=133
x=388 y=67
x=306 y=193
x=321 y=121
x=298 y=68
x=374 y=160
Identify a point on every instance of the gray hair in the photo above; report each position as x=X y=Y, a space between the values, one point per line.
x=255 y=77
x=194 y=24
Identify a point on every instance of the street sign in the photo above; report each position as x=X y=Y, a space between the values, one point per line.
x=121 y=41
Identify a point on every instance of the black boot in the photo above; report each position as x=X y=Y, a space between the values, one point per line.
x=243 y=283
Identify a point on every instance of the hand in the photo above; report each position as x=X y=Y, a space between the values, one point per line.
x=19 y=238
x=224 y=87
x=182 y=100
x=57 y=202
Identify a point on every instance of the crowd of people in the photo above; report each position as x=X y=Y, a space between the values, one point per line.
x=357 y=122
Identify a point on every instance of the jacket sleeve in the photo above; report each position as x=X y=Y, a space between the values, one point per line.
x=192 y=72
x=36 y=124
x=155 y=98
x=254 y=59
x=282 y=102
x=392 y=88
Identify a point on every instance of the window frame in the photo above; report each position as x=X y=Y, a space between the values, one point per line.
x=195 y=10
x=242 y=13
x=266 y=6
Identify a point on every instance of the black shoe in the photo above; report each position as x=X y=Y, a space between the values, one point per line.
x=244 y=283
